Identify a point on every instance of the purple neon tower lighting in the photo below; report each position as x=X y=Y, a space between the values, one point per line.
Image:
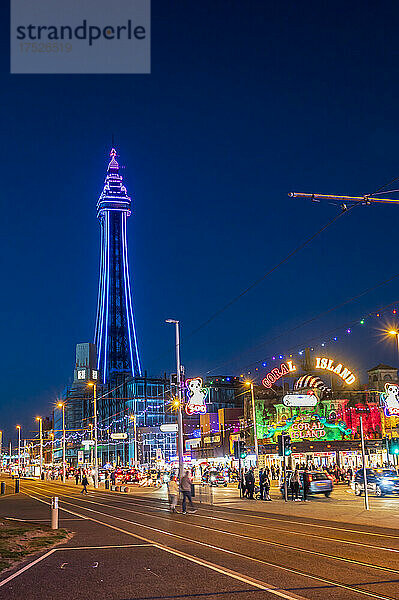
x=115 y=336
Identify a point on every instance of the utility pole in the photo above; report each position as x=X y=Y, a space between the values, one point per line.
x=62 y=406
x=251 y=385
x=41 y=443
x=180 y=450
x=94 y=386
x=19 y=447
x=366 y=492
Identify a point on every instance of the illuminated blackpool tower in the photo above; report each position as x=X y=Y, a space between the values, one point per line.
x=115 y=336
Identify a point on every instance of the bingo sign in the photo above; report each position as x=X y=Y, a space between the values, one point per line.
x=195 y=396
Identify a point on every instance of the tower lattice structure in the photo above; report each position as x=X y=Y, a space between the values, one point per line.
x=115 y=335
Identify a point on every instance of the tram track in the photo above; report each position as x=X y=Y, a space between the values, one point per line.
x=74 y=501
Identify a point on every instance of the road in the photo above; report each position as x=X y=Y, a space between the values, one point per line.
x=133 y=548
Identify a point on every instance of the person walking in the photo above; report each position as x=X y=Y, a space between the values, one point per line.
x=306 y=485
x=77 y=477
x=85 y=483
x=262 y=475
x=173 y=493
x=266 y=487
x=295 y=485
x=242 y=484
x=250 y=483
x=185 y=486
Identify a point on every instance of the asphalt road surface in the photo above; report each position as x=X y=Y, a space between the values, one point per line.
x=134 y=548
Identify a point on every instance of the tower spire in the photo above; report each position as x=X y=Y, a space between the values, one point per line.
x=115 y=335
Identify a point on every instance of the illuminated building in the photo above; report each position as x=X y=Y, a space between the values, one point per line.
x=115 y=334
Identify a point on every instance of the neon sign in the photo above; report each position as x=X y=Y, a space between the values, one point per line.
x=327 y=364
x=196 y=395
x=390 y=400
x=276 y=373
x=308 y=399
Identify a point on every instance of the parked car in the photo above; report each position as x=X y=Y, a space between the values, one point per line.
x=379 y=481
x=319 y=483
x=216 y=478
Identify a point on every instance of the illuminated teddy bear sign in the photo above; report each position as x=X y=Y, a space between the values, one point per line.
x=390 y=400
x=196 y=395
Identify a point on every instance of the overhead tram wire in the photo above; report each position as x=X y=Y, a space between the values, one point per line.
x=312 y=319
x=270 y=271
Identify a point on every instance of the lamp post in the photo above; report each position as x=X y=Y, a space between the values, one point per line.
x=62 y=405
x=91 y=446
x=396 y=333
x=94 y=386
x=52 y=447
x=251 y=386
x=19 y=447
x=133 y=419
x=179 y=412
x=41 y=443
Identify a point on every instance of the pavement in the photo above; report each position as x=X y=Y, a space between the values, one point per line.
x=132 y=547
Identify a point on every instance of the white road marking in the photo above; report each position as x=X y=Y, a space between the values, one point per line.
x=224 y=550
x=26 y=567
x=256 y=539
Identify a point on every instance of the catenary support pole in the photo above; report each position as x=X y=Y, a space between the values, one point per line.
x=366 y=492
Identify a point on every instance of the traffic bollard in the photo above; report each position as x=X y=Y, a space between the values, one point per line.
x=17 y=486
x=54 y=512
x=3 y=488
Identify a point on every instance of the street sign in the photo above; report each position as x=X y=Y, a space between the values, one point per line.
x=80 y=457
x=168 y=428
x=300 y=399
x=88 y=442
x=118 y=436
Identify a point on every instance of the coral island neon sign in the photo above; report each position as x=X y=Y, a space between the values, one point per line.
x=327 y=364
x=322 y=363
x=310 y=427
x=276 y=373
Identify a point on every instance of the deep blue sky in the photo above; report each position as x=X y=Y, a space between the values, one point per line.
x=246 y=102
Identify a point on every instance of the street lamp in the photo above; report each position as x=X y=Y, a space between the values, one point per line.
x=179 y=413
x=94 y=386
x=19 y=447
x=52 y=447
x=41 y=443
x=394 y=332
x=135 y=461
x=62 y=405
x=251 y=386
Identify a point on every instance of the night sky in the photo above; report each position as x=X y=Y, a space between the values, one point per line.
x=246 y=102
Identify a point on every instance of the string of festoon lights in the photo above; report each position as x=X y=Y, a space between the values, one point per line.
x=329 y=337
x=79 y=435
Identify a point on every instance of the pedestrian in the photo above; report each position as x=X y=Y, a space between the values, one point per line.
x=77 y=478
x=113 y=478
x=261 y=484
x=85 y=483
x=306 y=485
x=242 y=484
x=173 y=492
x=295 y=485
x=185 y=486
x=250 y=484
x=266 y=487
x=273 y=472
